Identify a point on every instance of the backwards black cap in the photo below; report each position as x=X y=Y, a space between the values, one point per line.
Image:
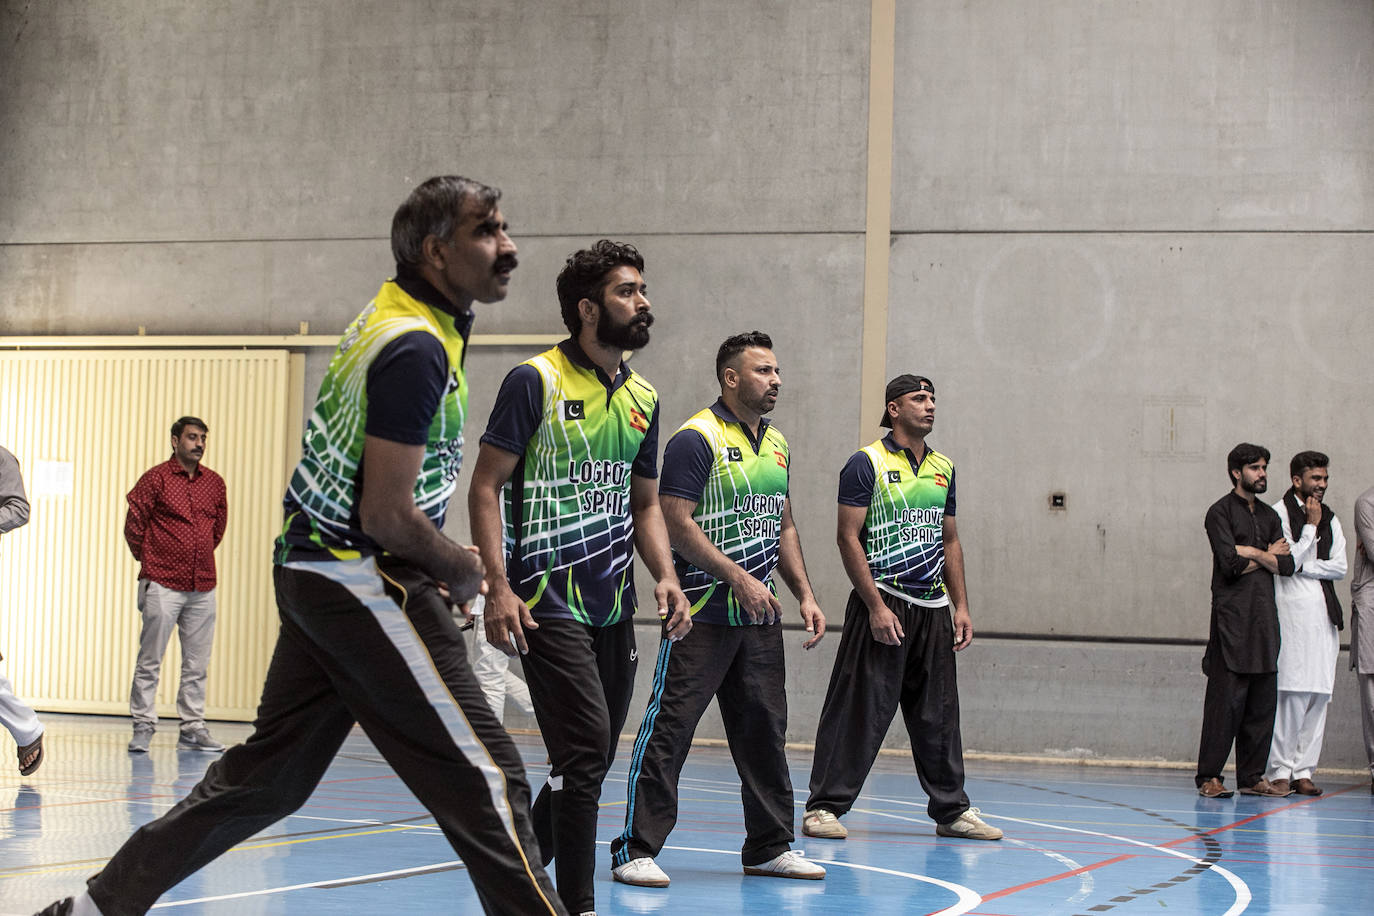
x=903 y=384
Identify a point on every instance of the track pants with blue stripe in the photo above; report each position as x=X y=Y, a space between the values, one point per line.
x=370 y=641
x=742 y=668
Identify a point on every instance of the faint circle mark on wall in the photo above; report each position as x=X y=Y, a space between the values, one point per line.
x=1329 y=317
x=1044 y=305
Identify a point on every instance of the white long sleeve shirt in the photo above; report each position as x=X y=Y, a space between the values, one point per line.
x=1309 y=643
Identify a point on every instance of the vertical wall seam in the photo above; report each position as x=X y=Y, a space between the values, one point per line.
x=878 y=222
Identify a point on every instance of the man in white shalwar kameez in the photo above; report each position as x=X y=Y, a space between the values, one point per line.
x=1310 y=620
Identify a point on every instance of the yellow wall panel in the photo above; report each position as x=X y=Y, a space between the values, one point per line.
x=85 y=425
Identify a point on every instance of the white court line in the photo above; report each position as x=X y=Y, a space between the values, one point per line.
x=1086 y=882
x=377 y=876
x=968 y=898
x=1241 y=889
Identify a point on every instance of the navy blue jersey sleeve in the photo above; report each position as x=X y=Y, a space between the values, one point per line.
x=404 y=385
x=949 y=500
x=686 y=466
x=646 y=462
x=518 y=410
x=856 y=481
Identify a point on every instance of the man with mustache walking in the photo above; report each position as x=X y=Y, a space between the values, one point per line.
x=569 y=462
x=176 y=518
x=725 y=496
x=366 y=583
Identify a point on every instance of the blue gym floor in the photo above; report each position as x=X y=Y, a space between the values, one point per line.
x=1080 y=840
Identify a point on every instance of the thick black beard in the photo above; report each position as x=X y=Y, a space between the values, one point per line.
x=632 y=335
x=1255 y=488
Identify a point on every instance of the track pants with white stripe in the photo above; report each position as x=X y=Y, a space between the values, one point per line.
x=742 y=667
x=368 y=640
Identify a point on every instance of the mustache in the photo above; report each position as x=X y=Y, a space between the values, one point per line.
x=506 y=263
x=645 y=320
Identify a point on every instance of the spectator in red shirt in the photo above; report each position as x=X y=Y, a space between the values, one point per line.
x=177 y=514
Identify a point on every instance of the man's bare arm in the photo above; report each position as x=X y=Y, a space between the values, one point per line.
x=651 y=539
x=792 y=569
x=391 y=518
x=506 y=617
x=882 y=623
x=954 y=584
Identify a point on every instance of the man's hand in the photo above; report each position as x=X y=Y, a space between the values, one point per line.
x=463 y=610
x=1314 y=510
x=673 y=609
x=464 y=580
x=757 y=600
x=884 y=626
x=1280 y=548
x=506 y=618
x=815 y=621
x=963 y=629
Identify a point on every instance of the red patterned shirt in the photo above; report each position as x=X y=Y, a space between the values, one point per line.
x=174 y=524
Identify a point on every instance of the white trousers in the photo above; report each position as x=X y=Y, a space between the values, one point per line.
x=192 y=615
x=17 y=716
x=1299 y=727
x=492 y=668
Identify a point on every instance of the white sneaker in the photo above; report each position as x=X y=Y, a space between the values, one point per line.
x=823 y=824
x=641 y=872
x=969 y=826
x=789 y=864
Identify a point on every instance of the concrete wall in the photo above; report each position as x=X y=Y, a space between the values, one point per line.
x=1124 y=237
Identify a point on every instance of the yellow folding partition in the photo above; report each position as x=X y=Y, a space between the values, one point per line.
x=84 y=425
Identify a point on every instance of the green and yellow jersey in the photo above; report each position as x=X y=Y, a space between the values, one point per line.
x=739 y=485
x=397 y=374
x=569 y=531
x=907 y=500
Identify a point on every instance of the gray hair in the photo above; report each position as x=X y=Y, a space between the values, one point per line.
x=433 y=209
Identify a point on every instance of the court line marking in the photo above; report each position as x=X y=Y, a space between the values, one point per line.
x=355 y=879
x=1086 y=882
x=1241 y=889
x=967 y=897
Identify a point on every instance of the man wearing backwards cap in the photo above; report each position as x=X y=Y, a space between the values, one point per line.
x=901 y=549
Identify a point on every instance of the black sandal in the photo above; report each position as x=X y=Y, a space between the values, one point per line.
x=36 y=762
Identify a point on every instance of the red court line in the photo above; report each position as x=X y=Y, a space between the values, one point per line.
x=1191 y=837
x=1052 y=878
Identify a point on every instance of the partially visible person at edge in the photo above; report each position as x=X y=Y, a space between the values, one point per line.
x=17 y=716
x=1242 y=655
x=906 y=618
x=569 y=461
x=365 y=581
x=1362 y=619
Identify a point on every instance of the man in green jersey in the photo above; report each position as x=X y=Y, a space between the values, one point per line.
x=901 y=550
x=725 y=495
x=569 y=460
x=364 y=581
